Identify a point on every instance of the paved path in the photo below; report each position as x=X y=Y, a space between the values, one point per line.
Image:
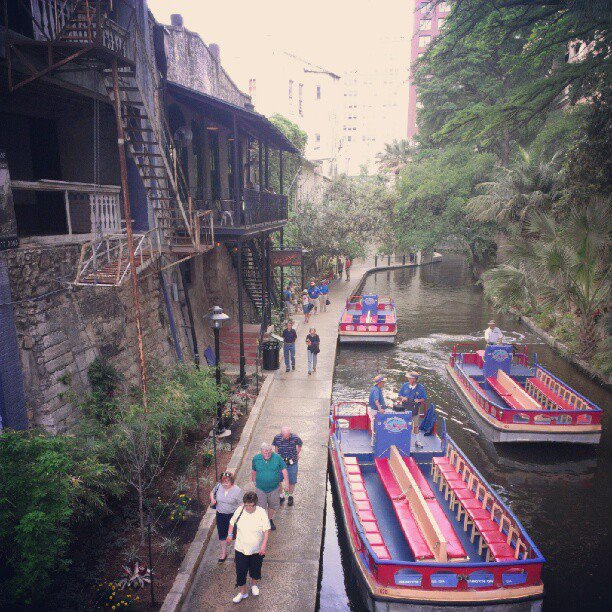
x=291 y=568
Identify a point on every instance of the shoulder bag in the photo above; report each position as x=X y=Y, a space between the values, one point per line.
x=235 y=530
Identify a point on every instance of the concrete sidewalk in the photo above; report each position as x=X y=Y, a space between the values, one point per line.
x=291 y=568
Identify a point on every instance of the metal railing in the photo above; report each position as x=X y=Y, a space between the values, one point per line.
x=106 y=262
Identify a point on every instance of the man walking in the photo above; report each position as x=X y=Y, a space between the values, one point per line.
x=347 y=268
x=288 y=446
x=267 y=469
x=313 y=295
x=289 y=338
x=323 y=293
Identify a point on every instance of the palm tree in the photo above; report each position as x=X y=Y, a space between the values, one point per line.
x=564 y=265
x=395 y=156
x=533 y=184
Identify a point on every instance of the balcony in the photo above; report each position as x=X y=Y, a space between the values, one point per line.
x=90 y=210
x=254 y=213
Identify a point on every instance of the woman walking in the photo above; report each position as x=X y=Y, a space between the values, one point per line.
x=253 y=528
x=225 y=499
x=306 y=306
x=312 y=343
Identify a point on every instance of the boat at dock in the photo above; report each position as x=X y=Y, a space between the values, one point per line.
x=424 y=527
x=368 y=318
x=514 y=399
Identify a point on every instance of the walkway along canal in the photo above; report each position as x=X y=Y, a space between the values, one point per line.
x=291 y=568
x=560 y=493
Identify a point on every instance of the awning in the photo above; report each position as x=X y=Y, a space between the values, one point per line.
x=223 y=112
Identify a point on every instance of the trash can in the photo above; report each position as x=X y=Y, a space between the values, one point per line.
x=271 y=355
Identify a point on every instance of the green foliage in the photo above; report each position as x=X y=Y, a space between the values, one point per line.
x=291 y=162
x=46 y=483
x=433 y=191
x=395 y=156
x=351 y=216
x=101 y=403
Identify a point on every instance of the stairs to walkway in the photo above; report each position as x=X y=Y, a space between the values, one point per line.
x=230 y=344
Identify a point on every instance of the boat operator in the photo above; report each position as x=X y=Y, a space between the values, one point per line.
x=493 y=335
x=377 y=399
x=412 y=396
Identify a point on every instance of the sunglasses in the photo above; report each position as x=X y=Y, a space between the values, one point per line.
x=226 y=475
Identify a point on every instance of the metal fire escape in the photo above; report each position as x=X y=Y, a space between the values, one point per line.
x=81 y=33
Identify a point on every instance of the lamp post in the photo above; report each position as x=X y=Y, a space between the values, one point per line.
x=217 y=317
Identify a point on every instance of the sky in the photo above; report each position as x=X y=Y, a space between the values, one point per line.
x=336 y=34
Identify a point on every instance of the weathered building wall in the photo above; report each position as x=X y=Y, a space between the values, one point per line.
x=193 y=64
x=61 y=334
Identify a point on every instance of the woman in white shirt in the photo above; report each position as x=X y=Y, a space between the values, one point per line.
x=253 y=529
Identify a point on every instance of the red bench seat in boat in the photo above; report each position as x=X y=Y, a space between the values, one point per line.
x=419 y=547
x=497 y=387
x=454 y=548
x=363 y=507
x=551 y=395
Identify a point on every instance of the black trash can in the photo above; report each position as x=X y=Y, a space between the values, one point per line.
x=271 y=355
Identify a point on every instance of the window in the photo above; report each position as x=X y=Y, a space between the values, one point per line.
x=290 y=89
x=349 y=138
x=300 y=98
x=441 y=21
x=444 y=7
x=252 y=86
x=318 y=92
x=318 y=137
x=425 y=24
x=424 y=41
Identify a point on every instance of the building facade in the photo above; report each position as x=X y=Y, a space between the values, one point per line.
x=127 y=210
x=283 y=83
x=428 y=20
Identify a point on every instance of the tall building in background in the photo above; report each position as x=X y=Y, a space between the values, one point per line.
x=375 y=94
x=307 y=94
x=428 y=21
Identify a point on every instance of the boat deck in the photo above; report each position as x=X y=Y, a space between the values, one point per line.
x=516 y=371
x=359 y=442
x=389 y=526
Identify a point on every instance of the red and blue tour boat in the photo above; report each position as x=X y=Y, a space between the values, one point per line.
x=424 y=526
x=517 y=401
x=368 y=318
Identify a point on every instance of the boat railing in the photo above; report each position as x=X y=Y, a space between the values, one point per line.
x=350 y=415
x=564 y=390
x=466 y=345
x=455 y=575
x=517 y=416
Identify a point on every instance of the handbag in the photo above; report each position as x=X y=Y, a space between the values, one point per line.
x=235 y=529
x=215 y=495
x=327 y=302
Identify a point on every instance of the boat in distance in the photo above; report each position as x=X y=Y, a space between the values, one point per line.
x=514 y=399
x=423 y=525
x=368 y=318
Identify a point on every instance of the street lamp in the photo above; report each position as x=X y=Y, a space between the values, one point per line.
x=217 y=317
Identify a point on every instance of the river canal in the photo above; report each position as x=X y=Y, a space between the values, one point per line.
x=560 y=493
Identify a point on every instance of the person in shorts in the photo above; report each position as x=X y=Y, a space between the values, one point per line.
x=225 y=499
x=267 y=471
x=288 y=446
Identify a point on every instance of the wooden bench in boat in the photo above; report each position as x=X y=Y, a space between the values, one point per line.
x=454 y=548
x=512 y=393
x=417 y=543
x=364 y=509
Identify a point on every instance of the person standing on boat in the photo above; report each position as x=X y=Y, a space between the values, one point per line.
x=493 y=335
x=377 y=399
x=413 y=395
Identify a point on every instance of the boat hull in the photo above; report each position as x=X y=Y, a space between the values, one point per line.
x=379 y=598
x=346 y=338
x=499 y=432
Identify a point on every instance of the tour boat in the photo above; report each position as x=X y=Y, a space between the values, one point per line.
x=518 y=401
x=368 y=318
x=424 y=526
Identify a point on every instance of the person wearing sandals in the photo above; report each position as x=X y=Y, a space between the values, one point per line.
x=252 y=531
x=313 y=348
x=225 y=499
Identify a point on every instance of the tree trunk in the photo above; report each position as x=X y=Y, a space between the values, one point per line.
x=587 y=334
x=141 y=511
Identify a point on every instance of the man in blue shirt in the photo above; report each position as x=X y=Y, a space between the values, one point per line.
x=313 y=295
x=413 y=396
x=323 y=293
x=377 y=399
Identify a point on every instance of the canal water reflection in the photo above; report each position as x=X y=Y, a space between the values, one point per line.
x=560 y=493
